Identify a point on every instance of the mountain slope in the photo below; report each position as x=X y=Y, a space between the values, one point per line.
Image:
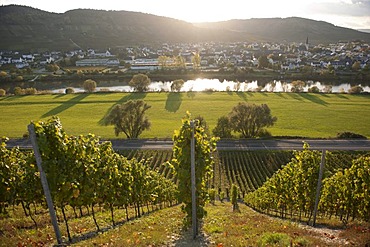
x=292 y=29
x=26 y=28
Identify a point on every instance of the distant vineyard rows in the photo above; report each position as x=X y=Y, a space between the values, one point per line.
x=247 y=169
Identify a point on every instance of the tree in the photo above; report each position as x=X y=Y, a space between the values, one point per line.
x=80 y=73
x=3 y=74
x=356 y=66
x=2 y=92
x=177 y=85
x=355 y=90
x=196 y=61
x=180 y=62
x=89 y=85
x=18 y=91
x=52 y=67
x=263 y=62
x=223 y=128
x=129 y=118
x=139 y=82
x=314 y=89
x=69 y=90
x=250 y=119
x=327 y=89
x=204 y=148
x=297 y=86
x=18 y=78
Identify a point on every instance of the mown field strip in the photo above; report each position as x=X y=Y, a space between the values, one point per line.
x=308 y=115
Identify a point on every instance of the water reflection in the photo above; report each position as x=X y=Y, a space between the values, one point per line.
x=200 y=85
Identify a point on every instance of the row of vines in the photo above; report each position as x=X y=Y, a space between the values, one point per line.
x=249 y=169
x=82 y=172
x=155 y=159
x=291 y=191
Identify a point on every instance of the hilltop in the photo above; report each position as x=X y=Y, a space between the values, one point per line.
x=26 y=28
x=95 y=28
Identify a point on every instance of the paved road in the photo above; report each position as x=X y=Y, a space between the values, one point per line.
x=279 y=144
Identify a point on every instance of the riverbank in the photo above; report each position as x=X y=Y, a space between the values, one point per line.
x=73 y=78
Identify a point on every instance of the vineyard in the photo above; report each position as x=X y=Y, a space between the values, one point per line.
x=248 y=169
x=83 y=175
x=155 y=159
x=291 y=191
x=87 y=178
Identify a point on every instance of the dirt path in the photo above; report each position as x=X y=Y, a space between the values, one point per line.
x=185 y=239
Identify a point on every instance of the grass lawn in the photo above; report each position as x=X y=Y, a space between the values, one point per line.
x=306 y=115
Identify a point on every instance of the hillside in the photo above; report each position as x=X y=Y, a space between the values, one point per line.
x=293 y=29
x=95 y=28
x=26 y=28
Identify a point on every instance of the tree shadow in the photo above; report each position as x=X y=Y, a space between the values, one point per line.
x=13 y=98
x=93 y=234
x=173 y=102
x=263 y=94
x=281 y=95
x=295 y=96
x=324 y=95
x=59 y=96
x=65 y=105
x=131 y=96
x=242 y=95
x=190 y=94
x=314 y=98
x=340 y=95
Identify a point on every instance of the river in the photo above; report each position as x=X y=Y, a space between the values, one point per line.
x=199 y=85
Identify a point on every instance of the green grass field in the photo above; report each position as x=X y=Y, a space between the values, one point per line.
x=306 y=115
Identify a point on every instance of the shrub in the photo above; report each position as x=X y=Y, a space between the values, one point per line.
x=234 y=197
x=30 y=91
x=350 y=135
x=18 y=91
x=212 y=195
x=2 y=92
x=222 y=196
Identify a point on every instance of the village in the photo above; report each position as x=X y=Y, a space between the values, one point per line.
x=342 y=56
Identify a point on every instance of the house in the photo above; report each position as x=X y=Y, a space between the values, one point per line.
x=337 y=64
x=46 y=60
x=92 y=53
x=98 y=62
x=290 y=66
x=28 y=57
x=316 y=64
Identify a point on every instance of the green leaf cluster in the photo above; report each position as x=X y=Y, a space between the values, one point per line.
x=204 y=148
x=81 y=171
x=292 y=189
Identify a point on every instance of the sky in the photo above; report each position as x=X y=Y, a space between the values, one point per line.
x=345 y=13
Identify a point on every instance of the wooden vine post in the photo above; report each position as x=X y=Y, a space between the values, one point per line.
x=44 y=182
x=318 y=188
x=193 y=183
